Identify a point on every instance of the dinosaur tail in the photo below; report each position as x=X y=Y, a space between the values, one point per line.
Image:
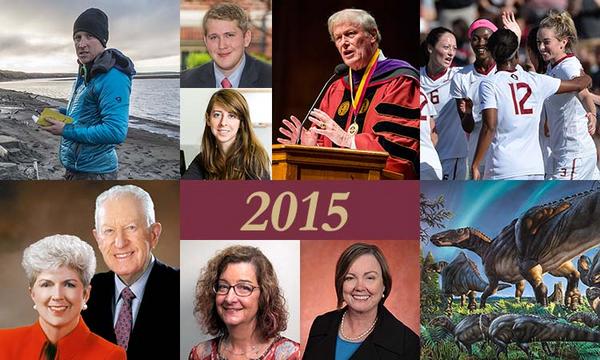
x=566 y=332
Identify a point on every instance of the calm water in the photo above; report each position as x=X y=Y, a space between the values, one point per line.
x=155 y=101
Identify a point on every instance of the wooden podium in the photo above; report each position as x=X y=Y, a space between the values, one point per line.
x=300 y=162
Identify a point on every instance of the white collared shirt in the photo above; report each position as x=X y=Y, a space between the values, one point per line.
x=234 y=78
x=138 y=288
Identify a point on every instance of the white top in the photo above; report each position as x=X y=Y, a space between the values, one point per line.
x=428 y=154
x=465 y=85
x=567 y=122
x=518 y=96
x=452 y=141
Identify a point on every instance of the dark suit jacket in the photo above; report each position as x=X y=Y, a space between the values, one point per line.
x=155 y=334
x=390 y=340
x=256 y=74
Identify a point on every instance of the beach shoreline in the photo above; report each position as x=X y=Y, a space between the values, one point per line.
x=143 y=155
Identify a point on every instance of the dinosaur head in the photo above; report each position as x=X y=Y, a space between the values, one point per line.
x=441 y=321
x=451 y=237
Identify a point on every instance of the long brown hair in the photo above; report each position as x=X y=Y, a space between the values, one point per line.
x=246 y=159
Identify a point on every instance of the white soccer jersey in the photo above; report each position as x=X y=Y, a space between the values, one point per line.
x=569 y=137
x=518 y=97
x=452 y=141
x=431 y=168
x=465 y=85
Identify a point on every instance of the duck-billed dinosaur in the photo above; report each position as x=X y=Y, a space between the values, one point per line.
x=544 y=239
x=524 y=329
x=590 y=276
x=469 y=330
x=461 y=278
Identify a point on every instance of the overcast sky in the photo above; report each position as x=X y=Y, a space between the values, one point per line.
x=36 y=35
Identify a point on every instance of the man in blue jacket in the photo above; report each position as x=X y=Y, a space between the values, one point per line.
x=99 y=103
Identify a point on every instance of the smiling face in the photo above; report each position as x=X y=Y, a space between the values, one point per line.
x=233 y=309
x=354 y=44
x=224 y=126
x=363 y=284
x=124 y=237
x=226 y=42
x=551 y=48
x=87 y=47
x=59 y=296
x=479 y=40
x=442 y=54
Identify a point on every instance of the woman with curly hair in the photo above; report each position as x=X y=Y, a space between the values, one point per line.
x=239 y=301
x=230 y=150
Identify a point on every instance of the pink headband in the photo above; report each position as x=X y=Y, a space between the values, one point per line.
x=481 y=23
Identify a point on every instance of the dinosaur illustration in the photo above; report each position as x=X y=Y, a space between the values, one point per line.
x=544 y=239
x=471 y=329
x=590 y=276
x=461 y=278
x=557 y=296
x=588 y=318
x=525 y=329
x=589 y=270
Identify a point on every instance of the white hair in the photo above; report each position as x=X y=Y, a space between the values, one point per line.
x=127 y=190
x=55 y=251
x=354 y=16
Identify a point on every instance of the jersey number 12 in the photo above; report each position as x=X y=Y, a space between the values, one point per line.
x=520 y=109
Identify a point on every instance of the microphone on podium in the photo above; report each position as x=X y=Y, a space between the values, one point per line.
x=339 y=70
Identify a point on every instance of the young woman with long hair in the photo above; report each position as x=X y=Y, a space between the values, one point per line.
x=436 y=76
x=571 y=117
x=230 y=150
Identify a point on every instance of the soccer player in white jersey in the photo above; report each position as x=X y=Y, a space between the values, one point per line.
x=465 y=84
x=439 y=49
x=430 y=166
x=539 y=66
x=572 y=116
x=511 y=102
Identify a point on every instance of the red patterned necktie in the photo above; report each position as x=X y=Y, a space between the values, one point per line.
x=225 y=83
x=125 y=319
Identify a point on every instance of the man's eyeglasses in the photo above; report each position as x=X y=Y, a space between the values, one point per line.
x=240 y=289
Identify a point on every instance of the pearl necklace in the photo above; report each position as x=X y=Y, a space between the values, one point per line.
x=359 y=336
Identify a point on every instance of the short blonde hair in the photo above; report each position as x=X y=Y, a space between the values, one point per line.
x=230 y=12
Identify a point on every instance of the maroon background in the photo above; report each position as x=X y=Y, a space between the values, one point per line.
x=377 y=210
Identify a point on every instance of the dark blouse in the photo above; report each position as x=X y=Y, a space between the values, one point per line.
x=196 y=171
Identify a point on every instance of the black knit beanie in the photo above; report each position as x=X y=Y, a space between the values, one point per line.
x=95 y=22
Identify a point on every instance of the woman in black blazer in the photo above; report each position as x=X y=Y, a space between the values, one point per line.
x=363 y=329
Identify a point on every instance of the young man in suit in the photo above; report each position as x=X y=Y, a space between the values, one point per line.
x=136 y=304
x=227 y=35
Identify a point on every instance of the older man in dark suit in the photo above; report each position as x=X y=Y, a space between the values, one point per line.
x=227 y=35
x=136 y=304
